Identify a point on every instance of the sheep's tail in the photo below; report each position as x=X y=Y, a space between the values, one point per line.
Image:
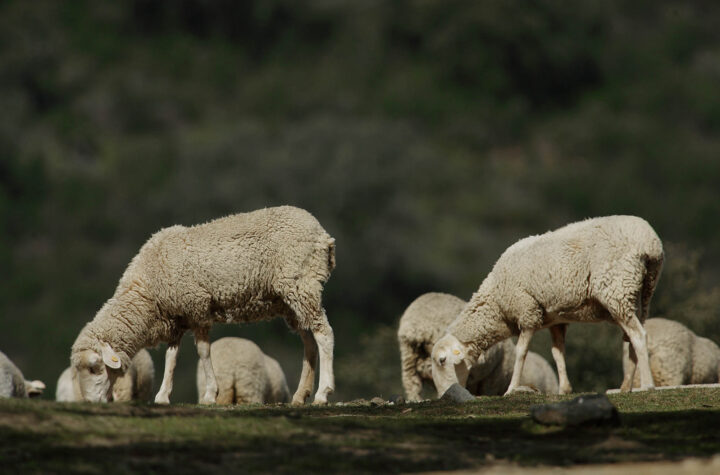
x=330 y=253
x=653 y=269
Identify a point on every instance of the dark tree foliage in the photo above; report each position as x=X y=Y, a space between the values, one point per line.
x=426 y=137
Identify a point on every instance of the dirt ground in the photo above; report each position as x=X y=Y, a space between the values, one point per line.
x=673 y=431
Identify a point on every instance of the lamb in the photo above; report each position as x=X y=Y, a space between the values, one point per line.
x=245 y=267
x=424 y=322
x=135 y=385
x=14 y=384
x=677 y=355
x=601 y=269
x=244 y=374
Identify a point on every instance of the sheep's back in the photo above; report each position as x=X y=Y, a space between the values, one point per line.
x=560 y=268
x=426 y=318
x=232 y=262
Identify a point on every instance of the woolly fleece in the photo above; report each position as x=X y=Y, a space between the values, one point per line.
x=244 y=374
x=677 y=355
x=241 y=268
x=600 y=269
x=425 y=321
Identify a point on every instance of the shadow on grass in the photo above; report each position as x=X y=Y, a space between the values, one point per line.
x=139 y=438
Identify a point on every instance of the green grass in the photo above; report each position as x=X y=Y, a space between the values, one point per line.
x=42 y=436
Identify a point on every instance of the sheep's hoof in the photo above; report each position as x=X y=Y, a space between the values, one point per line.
x=566 y=390
x=162 y=400
x=320 y=402
x=208 y=400
x=298 y=400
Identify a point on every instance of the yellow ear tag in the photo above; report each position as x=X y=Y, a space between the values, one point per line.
x=456 y=352
x=114 y=359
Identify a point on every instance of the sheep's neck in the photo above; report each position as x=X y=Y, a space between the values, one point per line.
x=480 y=325
x=133 y=316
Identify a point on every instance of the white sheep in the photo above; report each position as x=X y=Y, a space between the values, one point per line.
x=14 y=384
x=601 y=269
x=244 y=374
x=424 y=322
x=677 y=355
x=135 y=385
x=242 y=268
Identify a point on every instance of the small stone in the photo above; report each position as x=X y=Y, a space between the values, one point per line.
x=583 y=410
x=397 y=399
x=457 y=394
x=377 y=401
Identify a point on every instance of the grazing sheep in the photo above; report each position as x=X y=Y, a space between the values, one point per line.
x=135 y=385
x=242 y=268
x=244 y=374
x=492 y=373
x=14 y=384
x=602 y=269
x=677 y=355
x=424 y=322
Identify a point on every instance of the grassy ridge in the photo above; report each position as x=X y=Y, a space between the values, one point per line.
x=40 y=436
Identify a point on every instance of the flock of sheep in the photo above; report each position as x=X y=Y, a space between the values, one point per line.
x=274 y=262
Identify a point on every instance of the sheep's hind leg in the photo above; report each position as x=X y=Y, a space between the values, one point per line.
x=307 y=377
x=629 y=372
x=202 y=342
x=163 y=395
x=638 y=340
x=325 y=339
x=521 y=350
x=411 y=380
x=558 y=351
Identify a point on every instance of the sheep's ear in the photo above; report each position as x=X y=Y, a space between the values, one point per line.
x=110 y=358
x=457 y=354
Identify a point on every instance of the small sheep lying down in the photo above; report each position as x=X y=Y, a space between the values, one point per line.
x=244 y=374
x=424 y=322
x=135 y=385
x=242 y=268
x=677 y=355
x=602 y=269
x=14 y=384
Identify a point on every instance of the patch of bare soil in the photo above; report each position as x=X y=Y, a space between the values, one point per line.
x=691 y=466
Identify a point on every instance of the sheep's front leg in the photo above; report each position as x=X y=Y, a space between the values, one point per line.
x=323 y=333
x=163 y=395
x=307 y=377
x=520 y=353
x=202 y=342
x=558 y=351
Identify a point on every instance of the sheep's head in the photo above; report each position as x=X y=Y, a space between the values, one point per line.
x=94 y=373
x=448 y=363
x=34 y=388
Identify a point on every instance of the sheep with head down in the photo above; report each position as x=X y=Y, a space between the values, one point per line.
x=245 y=375
x=135 y=385
x=424 y=322
x=601 y=269
x=14 y=384
x=245 y=267
x=677 y=355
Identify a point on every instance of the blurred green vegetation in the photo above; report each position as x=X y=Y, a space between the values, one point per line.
x=426 y=137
